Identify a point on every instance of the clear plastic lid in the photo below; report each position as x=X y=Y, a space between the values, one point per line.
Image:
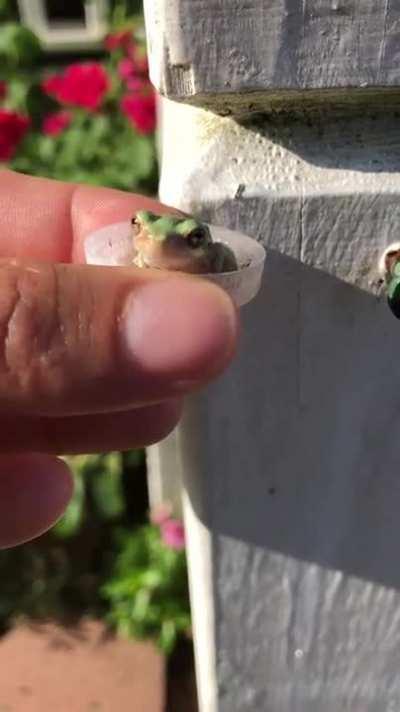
x=113 y=245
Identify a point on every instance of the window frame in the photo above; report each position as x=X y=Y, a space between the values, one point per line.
x=69 y=35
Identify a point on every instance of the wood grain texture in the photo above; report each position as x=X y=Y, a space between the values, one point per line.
x=201 y=50
x=322 y=189
x=296 y=481
x=290 y=461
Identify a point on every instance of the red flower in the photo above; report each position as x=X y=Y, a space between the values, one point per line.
x=3 y=90
x=56 y=123
x=141 y=111
x=173 y=534
x=81 y=85
x=53 y=85
x=13 y=127
x=119 y=40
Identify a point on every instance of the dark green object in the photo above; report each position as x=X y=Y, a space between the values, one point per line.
x=393 y=288
x=18 y=45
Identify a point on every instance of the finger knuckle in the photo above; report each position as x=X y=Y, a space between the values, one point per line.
x=32 y=329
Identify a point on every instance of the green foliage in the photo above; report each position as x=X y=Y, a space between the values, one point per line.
x=97 y=561
x=31 y=582
x=103 y=475
x=59 y=575
x=8 y=10
x=100 y=150
x=123 y=11
x=148 y=592
x=18 y=45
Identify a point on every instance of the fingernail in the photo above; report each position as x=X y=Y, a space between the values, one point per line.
x=181 y=329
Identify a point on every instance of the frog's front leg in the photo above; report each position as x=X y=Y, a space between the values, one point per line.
x=222 y=259
x=138 y=260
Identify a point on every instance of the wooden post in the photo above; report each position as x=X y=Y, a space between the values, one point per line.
x=281 y=120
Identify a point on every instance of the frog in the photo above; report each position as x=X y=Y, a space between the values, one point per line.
x=390 y=272
x=178 y=243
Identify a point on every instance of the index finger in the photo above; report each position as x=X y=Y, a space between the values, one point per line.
x=47 y=220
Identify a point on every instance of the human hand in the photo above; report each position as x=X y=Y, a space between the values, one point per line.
x=91 y=358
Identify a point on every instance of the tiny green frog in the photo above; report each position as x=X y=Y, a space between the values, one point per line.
x=175 y=242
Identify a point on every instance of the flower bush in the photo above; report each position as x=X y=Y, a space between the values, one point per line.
x=148 y=592
x=91 y=121
x=101 y=561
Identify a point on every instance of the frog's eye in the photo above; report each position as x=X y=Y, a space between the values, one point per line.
x=135 y=226
x=196 y=238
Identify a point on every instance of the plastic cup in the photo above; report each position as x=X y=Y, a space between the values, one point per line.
x=382 y=267
x=112 y=245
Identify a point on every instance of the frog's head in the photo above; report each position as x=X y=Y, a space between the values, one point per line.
x=172 y=242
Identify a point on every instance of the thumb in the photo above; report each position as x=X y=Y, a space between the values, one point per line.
x=78 y=339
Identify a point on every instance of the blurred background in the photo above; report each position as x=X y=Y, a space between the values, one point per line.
x=76 y=104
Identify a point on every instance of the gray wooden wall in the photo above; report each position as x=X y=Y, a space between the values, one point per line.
x=291 y=461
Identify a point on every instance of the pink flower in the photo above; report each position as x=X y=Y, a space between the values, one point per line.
x=81 y=85
x=56 y=123
x=133 y=67
x=141 y=111
x=136 y=84
x=126 y=68
x=3 y=90
x=119 y=40
x=13 y=127
x=173 y=534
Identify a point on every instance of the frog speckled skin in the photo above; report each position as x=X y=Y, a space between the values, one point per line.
x=178 y=243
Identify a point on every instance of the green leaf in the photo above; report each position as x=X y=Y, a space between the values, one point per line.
x=46 y=148
x=18 y=45
x=168 y=637
x=106 y=487
x=141 y=605
x=71 y=521
x=17 y=92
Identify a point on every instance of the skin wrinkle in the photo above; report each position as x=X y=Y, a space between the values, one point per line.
x=5 y=332
x=47 y=349
x=57 y=328
x=34 y=349
x=79 y=327
x=35 y=352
